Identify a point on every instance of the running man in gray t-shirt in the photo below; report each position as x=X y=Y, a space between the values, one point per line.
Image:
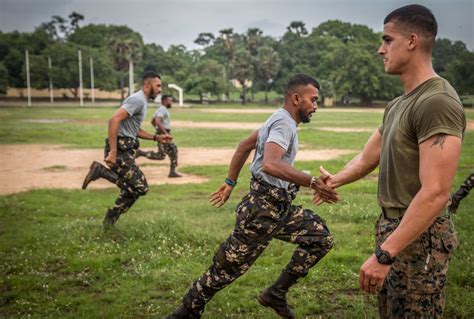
x=162 y=122
x=266 y=212
x=120 y=148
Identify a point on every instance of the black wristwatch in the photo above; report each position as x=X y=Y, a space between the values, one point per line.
x=383 y=257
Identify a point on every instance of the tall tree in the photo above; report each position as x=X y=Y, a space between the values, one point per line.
x=243 y=70
x=206 y=78
x=126 y=49
x=268 y=63
x=59 y=28
x=298 y=28
x=204 y=39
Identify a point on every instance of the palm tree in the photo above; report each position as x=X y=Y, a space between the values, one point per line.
x=126 y=50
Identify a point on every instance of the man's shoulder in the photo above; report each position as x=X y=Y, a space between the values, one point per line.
x=161 y=110
x=282 y=116
x=137 y=98
x=439 y=90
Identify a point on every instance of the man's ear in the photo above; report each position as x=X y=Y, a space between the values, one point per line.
x=413 y=41
x=295 y=99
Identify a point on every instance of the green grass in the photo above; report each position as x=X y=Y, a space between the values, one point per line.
x=55 y=260
x=87 y=127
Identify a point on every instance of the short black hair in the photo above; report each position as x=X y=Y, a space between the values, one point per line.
x=165 y=96
x=150 y=75
x=414 y=17
x=300 y=80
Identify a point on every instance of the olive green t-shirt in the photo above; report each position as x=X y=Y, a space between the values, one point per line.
x=432 y=108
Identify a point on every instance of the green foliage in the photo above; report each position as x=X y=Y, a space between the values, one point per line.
x=207 y=77
x=341 y=55
x=460 y=73
x=445 y=52
x=3 y=78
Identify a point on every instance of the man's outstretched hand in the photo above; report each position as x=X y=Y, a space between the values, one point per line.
x=219 y=197
x=324 y=191
x=164 y=138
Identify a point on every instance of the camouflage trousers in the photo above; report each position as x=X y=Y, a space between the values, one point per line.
x=264 y=213
x=164 y=149
x=414 y=287
x=131 y=181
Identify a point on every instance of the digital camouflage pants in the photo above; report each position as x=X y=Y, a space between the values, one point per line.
x=414 y=287
x=131 y=181
x=264 y=213
x=164 y=149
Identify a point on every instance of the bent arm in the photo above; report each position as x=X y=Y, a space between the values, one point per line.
x=114 y=124
x=362 y=164
x=274 y=165
x=158 y=123
x=145 y=135
x=439 y=156
x=241 y=155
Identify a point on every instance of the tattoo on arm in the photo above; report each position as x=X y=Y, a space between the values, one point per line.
x=440 y=138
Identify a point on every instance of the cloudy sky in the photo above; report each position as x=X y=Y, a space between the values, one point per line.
x=167 y=22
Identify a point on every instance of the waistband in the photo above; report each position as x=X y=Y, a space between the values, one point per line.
x=393 y=212
x=273 y=193
x=120 y=137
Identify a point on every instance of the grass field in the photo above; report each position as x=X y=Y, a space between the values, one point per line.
x=56 y=261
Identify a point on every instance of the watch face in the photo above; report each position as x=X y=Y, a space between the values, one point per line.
x=383 y=257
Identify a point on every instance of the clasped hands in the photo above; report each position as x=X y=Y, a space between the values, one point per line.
x=324 y=189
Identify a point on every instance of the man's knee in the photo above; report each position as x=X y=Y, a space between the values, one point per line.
x=142 y=190
x=321 y=239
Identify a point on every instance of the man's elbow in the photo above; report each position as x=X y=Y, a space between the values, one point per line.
x=244 y=146
x=114 y=120
x=269 y=168
x=439 y=194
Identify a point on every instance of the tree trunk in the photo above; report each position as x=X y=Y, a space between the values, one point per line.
x=122 y=93
x=266 y=91
x=365 y=100
x=244 y=98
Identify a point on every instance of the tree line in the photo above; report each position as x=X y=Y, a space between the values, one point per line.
x=341 y=55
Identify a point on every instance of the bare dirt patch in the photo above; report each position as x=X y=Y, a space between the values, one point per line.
x=30 y=166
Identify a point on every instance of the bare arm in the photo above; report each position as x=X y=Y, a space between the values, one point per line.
x=164 y=138
x=157 y=122
x=439 y=158
x=276 y=167
x=114 y=124
x=241 y=154
x=362 y=164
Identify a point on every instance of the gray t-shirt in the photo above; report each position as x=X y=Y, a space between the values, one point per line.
x=163 y=112
x=136 y=106
x=280 y=128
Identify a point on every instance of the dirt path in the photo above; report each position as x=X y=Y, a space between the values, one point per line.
x=24 y=167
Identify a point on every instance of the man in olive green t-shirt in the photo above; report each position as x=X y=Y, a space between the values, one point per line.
x=417 y=148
